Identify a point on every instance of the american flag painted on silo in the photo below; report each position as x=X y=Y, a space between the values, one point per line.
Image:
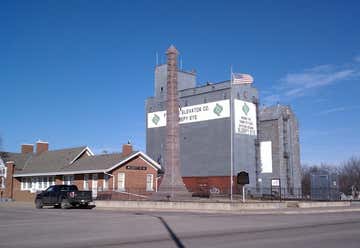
x=240 y=78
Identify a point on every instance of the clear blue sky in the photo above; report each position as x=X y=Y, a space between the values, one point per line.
x=78 y=72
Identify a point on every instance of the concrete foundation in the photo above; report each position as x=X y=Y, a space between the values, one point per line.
x=214 y=206
x=188 y=206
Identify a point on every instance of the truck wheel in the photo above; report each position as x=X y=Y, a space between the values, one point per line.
x=65 y=204
x=39 y=204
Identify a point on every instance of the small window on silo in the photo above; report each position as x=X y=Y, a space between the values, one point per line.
x=161 y=89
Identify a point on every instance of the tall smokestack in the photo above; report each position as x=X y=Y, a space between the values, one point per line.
x=172 y=185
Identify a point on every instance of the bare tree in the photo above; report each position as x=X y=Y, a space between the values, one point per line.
x=348 y=172
x=3 y=154
x=349 y=175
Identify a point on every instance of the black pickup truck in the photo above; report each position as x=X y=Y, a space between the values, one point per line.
x=64 y=196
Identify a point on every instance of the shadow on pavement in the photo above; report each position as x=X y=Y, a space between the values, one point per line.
x=73 y=207
x=173 y=236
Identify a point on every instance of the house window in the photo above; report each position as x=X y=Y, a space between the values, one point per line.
x=36 y=183
x=2 y=182
x=52 y=180
x=26 y=183
x=149 y=182
x=48 y=182
x=68 y=179
x=42 y=181
x=86 y=182
x=22 y=184
x=121 y=181
x=106 y=182
x=29 y=183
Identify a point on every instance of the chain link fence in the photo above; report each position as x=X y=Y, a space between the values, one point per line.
x=272 y=194
x=126 y=194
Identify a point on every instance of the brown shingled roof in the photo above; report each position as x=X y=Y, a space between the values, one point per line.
x=49 y=161
x=62 y=161
x=97 y=162
x=19 y=159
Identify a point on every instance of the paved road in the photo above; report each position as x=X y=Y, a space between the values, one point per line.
x=24 y=226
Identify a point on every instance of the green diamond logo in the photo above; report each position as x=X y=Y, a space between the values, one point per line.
x=245 y=109
x=156 y=119
x=218 y=109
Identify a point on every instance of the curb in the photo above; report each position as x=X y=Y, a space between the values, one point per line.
x=242 y=212
x=232 y=208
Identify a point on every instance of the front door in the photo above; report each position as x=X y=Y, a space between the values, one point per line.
x=94 y=185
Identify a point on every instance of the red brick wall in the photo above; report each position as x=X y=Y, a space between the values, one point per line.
x=79 y=181
x=58 y=179
x=219 y=184
x=22 y=195
x=134 y=179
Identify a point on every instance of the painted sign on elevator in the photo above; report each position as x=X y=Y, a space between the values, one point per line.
x=194 y=113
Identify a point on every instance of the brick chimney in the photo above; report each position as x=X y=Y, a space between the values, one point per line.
x=9 y=182
x=27 y=148
x=41 y=146
x=127 y=149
